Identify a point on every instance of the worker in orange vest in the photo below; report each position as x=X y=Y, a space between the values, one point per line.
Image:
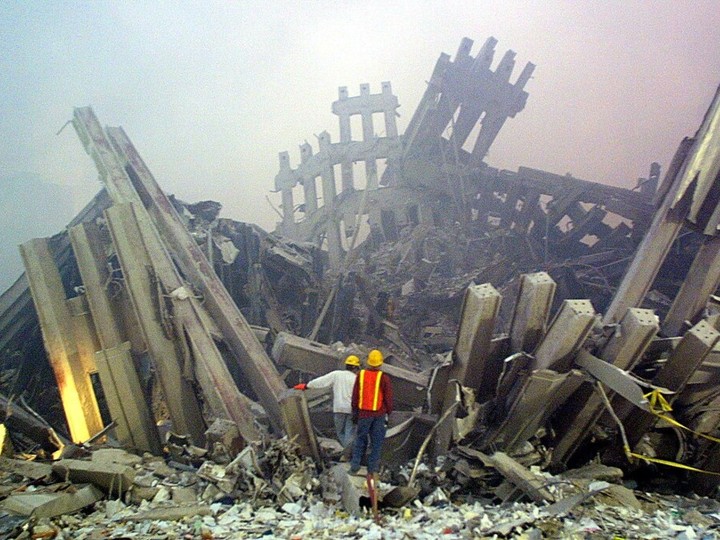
x=372 y=402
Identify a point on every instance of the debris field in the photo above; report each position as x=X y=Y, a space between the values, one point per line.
x=554 y=343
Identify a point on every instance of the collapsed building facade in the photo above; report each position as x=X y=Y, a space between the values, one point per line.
x=528 y=312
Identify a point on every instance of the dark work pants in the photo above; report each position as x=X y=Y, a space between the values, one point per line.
x=372 y=428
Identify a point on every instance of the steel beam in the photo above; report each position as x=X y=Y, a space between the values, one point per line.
x=85 y=336
x=565 y=336
x=140 y=281
x=538 y=397
x=701 y=175
x=470 y=356
x=217 y=383
x=240 y=338
x=78 y=399
x=120 y=380
x=656 y=243
x=693 y=348
x=531 y=311
x=409 y=388
x=623 y=350
x=477 y=322
x=701 y=281
x=134 y=421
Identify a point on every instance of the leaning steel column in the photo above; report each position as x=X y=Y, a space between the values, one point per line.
x=78 y=399
x=701 y=281
x=471 y=355
x=623 y=350
x=651 y=252
x=118 y=376
x=138 y=272
x=690 y=189
x=240 y=338
x=212 y=373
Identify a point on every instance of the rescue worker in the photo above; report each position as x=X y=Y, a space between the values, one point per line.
x=341 y=381
x=372 y=402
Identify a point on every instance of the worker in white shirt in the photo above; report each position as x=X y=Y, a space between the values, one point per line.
x=342 y=382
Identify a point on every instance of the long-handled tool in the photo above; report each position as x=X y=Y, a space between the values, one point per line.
x=372 y=490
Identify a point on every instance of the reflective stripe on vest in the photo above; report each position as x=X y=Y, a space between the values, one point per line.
x=370 y=397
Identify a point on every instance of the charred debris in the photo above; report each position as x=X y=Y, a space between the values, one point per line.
x=528 y=318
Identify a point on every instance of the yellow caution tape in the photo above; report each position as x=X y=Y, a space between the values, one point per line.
x=675 y=464
x=659 y=406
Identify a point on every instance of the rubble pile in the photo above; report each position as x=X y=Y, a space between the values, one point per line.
x=532 y=324
x=214 y=501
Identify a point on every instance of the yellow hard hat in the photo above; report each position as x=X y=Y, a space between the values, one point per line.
x=375 y=358
x=352 y=360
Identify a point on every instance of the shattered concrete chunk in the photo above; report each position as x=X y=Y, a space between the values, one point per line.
x=52 y=504
x=110 y=477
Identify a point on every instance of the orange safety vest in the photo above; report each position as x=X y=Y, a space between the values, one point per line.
x=370 y=396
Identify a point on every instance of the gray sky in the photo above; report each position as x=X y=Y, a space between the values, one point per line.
x=211 y=91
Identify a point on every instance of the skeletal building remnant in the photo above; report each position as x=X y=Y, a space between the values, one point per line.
x=468 y=86
x=369 y=150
